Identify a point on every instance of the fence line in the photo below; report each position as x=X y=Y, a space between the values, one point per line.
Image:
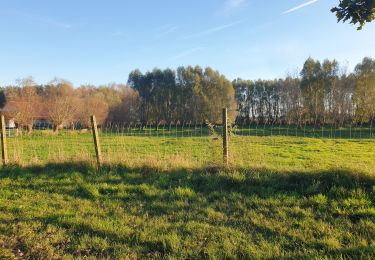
x=253 y=144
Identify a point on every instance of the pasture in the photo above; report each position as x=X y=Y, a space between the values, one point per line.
x=269 y=147
x=299 y=193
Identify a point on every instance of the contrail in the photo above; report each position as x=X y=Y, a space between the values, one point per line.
x=212 y=30
x=300 y=6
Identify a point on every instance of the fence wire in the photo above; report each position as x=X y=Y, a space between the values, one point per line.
x=167 y=145
x=286 y=147
x=254 y=144
x=134 y=144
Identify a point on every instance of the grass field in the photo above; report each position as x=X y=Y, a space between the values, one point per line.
x=165 y=196
x=279 y=149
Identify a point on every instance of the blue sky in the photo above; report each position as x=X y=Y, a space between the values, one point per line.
x=97 y=42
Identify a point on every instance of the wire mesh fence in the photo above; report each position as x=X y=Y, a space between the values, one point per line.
x=44 y=145
x=279 y=146
x=254 y=144
x=181 y=144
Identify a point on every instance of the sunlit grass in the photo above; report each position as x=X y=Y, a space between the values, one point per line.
x=167 y=197
x=76 y=211
x=195 y=148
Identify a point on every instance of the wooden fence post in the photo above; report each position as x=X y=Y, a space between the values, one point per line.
x=95 y=135
x=225 y=137
x=4 y=152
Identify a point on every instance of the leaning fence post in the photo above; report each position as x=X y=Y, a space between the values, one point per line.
x=95 y=134
x=225 y=137
x=4 y=153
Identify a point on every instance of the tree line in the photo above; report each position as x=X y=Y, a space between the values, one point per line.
x=189 y=94
x=322 y=93
x=61 y=105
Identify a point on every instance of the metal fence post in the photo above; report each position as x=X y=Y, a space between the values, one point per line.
x=96 y=140
x=4 y=152
x=225 y=137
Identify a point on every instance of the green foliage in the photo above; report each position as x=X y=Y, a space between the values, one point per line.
x=188 y=95
x=365 y=90
x=357 y=11
x=322 y=95
x=316 y=86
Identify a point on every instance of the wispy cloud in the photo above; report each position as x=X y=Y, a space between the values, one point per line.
x=165 y=30
x=36 y=18
x=55 y=23
x=300 y=6
x=187 y=53
x=231 y=6
x=211 y=30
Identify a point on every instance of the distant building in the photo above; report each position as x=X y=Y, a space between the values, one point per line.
x=10 y=113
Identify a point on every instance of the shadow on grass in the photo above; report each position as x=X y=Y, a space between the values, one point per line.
x=214 y=201
x=204 y=180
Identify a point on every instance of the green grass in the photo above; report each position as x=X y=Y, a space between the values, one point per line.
x=76 y=211
x=165 y=196
x=194 y=149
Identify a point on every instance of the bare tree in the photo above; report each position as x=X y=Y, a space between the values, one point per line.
x=61 y=103
x=92 y=105
x=25 y=102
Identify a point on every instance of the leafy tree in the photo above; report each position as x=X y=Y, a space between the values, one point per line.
x=364 y=95
x=142 y=84
x=357 y=11
x=127 y=110
x=244 y=95
x=312 y=90
x=322 y=95
x=212 y=94
x=290 y=99
x=188 y=95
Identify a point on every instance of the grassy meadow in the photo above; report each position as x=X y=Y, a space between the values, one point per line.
x=302 y=194
x=276 y=148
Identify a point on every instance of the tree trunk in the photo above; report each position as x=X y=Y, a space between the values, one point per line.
x=29 y=129
x=56 y=128
x=19 y=131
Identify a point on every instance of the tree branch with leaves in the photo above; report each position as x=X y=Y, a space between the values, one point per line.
x=356 y=11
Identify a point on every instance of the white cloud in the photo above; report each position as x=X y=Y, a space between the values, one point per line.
x=300 y=6
x=231 y=6
x=211 y=30
x=187 y=53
